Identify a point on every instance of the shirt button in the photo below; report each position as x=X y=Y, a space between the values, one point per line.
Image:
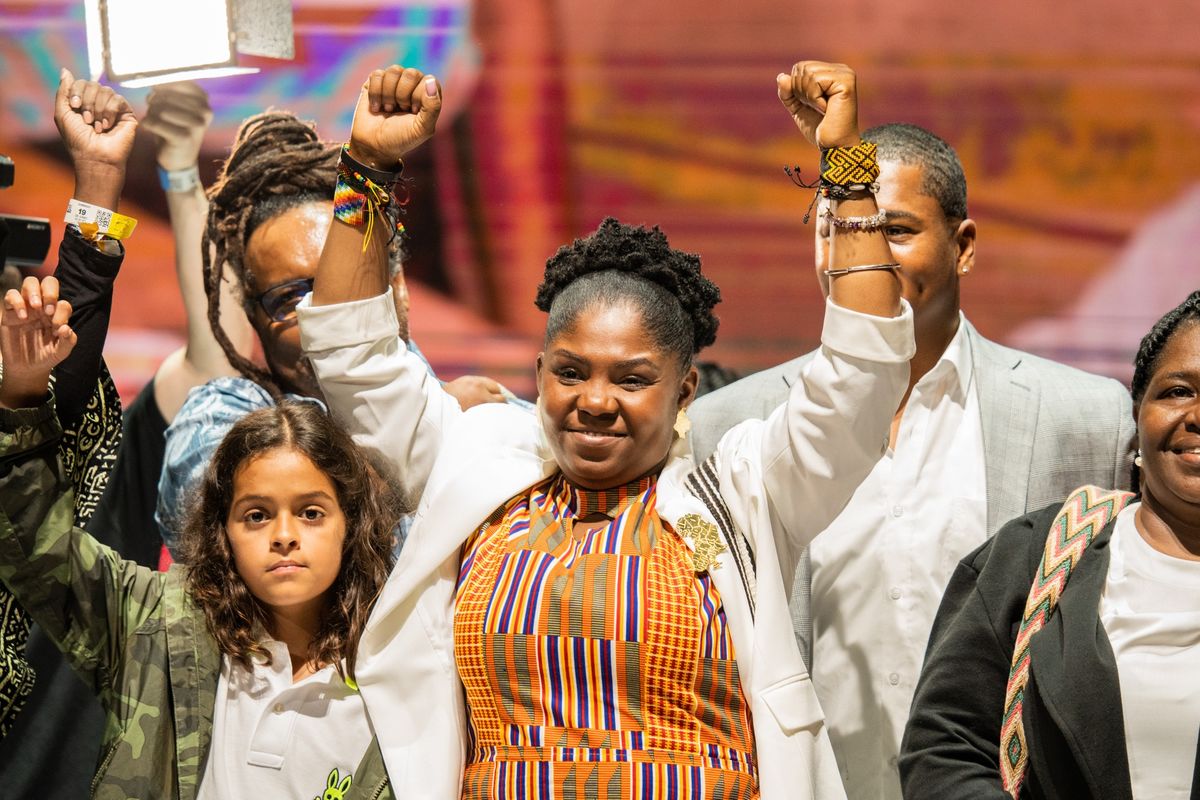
x=894 y=593
x=894 y=678
x=897 y=511
x=892 y=762
x=278 y=708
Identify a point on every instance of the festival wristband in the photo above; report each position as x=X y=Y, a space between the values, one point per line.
x=94 y=221
x=179 y=180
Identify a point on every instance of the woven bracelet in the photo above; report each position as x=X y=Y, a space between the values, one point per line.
x=848 y=166
x=831 y=191
x=357 y=198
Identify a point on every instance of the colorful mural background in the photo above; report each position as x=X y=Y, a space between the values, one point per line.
x=1078 y=124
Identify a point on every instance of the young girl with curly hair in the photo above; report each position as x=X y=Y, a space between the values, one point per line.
x=234 y=677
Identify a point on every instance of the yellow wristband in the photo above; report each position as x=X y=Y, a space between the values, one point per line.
x=94 y=221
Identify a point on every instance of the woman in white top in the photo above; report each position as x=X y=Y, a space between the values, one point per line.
x=1112 y=707
x=626 y=317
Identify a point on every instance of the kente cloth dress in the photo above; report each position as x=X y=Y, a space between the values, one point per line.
x=596 y=661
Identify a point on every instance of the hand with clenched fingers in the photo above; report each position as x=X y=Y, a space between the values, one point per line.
x=397 y=111
x=96 y=124
x=178 y=114
x=823 y=100
x=97 y=127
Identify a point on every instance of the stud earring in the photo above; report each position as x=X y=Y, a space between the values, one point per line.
x=1137 y=459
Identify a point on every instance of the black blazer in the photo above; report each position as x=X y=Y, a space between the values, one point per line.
x=1073 y=723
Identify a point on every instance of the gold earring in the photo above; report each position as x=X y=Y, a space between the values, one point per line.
x=682 y=423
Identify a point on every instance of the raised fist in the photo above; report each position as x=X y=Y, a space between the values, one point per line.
x=823 y=100
x=96 y=124
x=178 y=115
x=397 y=110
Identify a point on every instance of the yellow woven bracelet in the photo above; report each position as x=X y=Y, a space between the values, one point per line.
x=843 y=166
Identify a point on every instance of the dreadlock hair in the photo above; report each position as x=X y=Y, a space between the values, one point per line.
x=1150 y=350
x=277 y=163
x=635 y=265
x=232 y=613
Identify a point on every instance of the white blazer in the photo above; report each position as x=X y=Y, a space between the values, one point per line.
x=783 y=479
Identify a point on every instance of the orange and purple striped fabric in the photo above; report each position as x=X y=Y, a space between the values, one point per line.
x=597 y=664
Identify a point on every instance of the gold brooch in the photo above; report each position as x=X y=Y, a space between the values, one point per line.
x=705 y=537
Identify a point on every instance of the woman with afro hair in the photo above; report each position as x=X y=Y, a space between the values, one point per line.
x=581 y=611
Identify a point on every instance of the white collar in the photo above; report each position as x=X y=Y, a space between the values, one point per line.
x=955 y=360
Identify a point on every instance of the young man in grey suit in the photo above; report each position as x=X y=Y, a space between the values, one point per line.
x=985 y=434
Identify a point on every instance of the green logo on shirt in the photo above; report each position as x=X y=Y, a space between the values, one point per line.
x=333 y=789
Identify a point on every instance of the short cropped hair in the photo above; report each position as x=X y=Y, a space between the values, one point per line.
x=942 y=175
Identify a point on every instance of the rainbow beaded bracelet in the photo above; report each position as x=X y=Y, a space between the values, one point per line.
x=360 y=194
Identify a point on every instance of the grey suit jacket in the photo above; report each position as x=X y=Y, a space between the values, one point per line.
x=1047 y=429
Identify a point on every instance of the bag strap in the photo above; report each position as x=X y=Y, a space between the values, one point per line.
x=1081 y=518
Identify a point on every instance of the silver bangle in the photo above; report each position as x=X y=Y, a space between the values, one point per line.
x=831 y=273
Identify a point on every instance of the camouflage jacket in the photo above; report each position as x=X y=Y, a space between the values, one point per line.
x=132 y=634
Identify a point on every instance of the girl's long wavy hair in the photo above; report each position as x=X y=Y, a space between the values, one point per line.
x=371 y=508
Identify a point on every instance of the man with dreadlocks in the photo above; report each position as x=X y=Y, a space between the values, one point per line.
x=267 y=222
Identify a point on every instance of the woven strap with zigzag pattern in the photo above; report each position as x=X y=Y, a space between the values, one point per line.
x=1081 y=518
x=845 y=166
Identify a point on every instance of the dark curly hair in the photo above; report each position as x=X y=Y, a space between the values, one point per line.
x=277 y=163
x=370 y=507
x=623 y=263
x=1150 y=350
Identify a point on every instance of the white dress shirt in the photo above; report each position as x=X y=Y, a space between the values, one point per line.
x=1151 y=612
x=275 y=738
x=879 y=571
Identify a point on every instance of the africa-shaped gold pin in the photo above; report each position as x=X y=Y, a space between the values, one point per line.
x=705 y=538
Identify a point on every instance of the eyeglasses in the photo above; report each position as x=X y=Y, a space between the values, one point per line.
x=280 y=300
